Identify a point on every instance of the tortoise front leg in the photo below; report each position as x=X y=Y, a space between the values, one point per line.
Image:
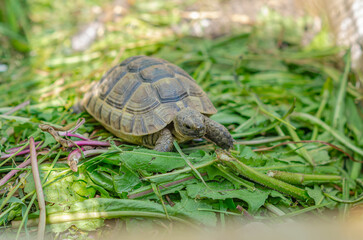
x=165 y=141
x=218 y=134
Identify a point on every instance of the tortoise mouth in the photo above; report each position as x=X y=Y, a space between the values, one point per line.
x=199 y=132
x=195 y=133
x=190 y=133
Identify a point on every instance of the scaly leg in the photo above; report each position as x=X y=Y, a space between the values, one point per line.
x=218 y=134
x=165 y=141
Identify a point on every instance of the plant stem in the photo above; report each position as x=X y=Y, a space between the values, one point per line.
x=294 y=148
x=184 y=170
x=345 y=195
x=342 y=139
x=305 y=210
x=13 y=150
x=325 y=96
x=13 y=172
x=261 y=178
x=77 y=135
x=355 y=170
x=156 y=190
x=25 y=217
x=10 y=194
x=233 y=178
x=78 y=124
x=262 y=109
x=38 y=188
x=73 y=158
x=17 y=154
x=302 y=179
x=339 y=200
x=307 y=141
x=341 y=94
x=262 y=140
x=176 y=145
x=301 y=148
x=69 y=217
x=10 y=174
x=90 y=143
x=8 y=156
x=140 y=193
x=274 y=209
x=280 y=167
x=16 y=108
x=46 y=176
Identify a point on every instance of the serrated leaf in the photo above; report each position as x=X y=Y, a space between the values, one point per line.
x=153 y=161
x=65 y=189
x=225 y=190
x=190 y=208
x=125 y=181
x=247 y=153
x=317 y=194
x=48 y=140
x=281 y=198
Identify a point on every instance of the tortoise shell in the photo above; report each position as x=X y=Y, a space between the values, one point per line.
x=142 y=95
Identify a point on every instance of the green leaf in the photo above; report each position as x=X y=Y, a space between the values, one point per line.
x=228 y=117
x=60 y=191
x=247 y=153
x=190 y=208
x=317 y=194
x=153 y=161
x=225 y=190
x=65 y=189
x=281 y=198
x=80 y=187
x=49 y=140
x=125 y=181
x=186 y=208
x=15 y=212
x=100 y=178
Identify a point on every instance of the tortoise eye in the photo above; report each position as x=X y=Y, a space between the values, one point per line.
x=187 y=127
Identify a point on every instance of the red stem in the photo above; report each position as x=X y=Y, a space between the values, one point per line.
x=16 y=108
x=78 y=124
x=13 y=172
x=91 y=143
x=13 y=150
x=5 y=156
x=68 y=134
x=75 y=154
x=308 y=141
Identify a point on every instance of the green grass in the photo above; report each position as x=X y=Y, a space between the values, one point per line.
x=267 y=90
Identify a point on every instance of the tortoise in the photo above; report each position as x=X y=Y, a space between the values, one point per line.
x=151 y=102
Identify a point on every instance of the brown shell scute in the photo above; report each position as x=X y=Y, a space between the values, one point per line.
x=142 y=95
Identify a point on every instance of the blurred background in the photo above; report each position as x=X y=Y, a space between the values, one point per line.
x=42 y=35
x=246 y=54
x=54 y=33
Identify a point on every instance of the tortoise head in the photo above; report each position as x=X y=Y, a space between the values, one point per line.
x=190 y=123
